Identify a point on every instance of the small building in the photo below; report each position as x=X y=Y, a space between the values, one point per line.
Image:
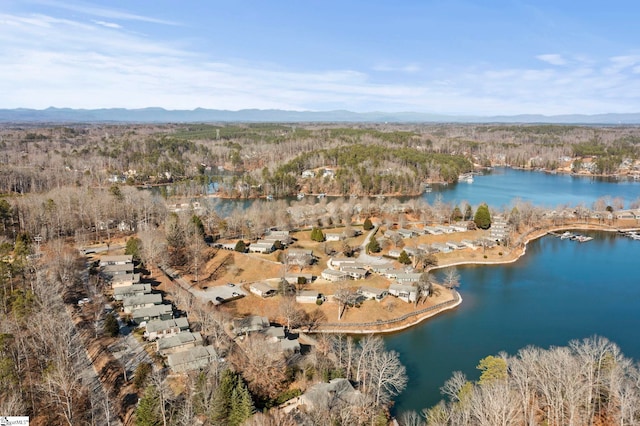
x=123 y=292
x=124 y=280
x=441 y=247
x=355 y=272
x=373 y=293
x=116 y=260
x=382 y=268
x=250 y=324
x=294 y=254
x=192 y=359
x=158 y=329
x=163 y=312
x=178 y=342
x=408 y=277
x=334 y=236
x=130 y=304
x=114 y=269
x=262 y=247
x=282 y=236
x=309 y=296
x=262 y=289
x=405 y=292
x=294 y=278
x=333 y=275
x=455 y=245
x=323 y=396
x=406 y=233
x=470 y=244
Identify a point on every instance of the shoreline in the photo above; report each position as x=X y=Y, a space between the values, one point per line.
x=517 y=253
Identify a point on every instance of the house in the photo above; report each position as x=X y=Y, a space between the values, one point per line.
x=192 y=358
x=294 y=278
x=262 y=289
x=390 y=234
x=163 y=312
x=458 y=228
x=328 y=173
x=122 y=292
x=282 y=236
x=382 y=267
x=308 y=174
x=441 y=247
x=116 y=260
x=282 y=342
x=250 y=324
x=455 y=245
x=309 y=296
x=470 y=244
x=445 y=229
x=178 y=342
x=408 y=277
x=433 y=230
x=300 y=254
x=373 y=293
x=333 y=275
x=499 y=229
x=157 y=329
x=355 y=272
x=113 y=269
x=261 y=247
x=324 y=396
x=394 y=253
x=124 y=280
x=406 y=233
x=393 y=273
x=334 y=236
x=406 y=292
x=129 y=304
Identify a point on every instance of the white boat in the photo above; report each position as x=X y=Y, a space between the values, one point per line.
x=321 y=196
x=300 y=196
x=566 y=235
x=467 y=177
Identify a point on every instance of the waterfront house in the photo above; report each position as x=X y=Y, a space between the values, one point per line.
x=373 y=293
x=178 y=342
x=405 y=292
x=262 y=289
x=322 y=397
x=157 y=329
x=408 y=277
x=192 y=359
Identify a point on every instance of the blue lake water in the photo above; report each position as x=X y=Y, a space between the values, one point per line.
x=559 y=291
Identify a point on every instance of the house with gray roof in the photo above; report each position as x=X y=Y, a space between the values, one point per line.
x=405 y=292
x=323 y=396
x=163 y=312
x=249 y=324
x=376 y=294
x=158 y=329
x=129 y=304
x=333 y=275
x=122 y=292
x=192 y=358
x=178 y=342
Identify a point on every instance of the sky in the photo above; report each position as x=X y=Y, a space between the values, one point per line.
x=433 y=56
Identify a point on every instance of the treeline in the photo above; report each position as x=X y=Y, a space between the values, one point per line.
x=588 y=382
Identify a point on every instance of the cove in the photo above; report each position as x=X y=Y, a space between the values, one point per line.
x=558 y=291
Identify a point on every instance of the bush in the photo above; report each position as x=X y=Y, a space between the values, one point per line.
x=319 y=302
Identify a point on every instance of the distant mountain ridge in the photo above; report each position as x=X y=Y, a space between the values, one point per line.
x=201 y=115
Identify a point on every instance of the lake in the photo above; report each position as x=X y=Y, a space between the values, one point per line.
x=559 y=291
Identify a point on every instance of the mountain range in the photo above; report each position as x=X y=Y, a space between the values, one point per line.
x=201 y=115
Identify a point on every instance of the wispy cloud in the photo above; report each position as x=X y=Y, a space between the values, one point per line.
x=107 y=24
x=49 y=61
x=552 y=58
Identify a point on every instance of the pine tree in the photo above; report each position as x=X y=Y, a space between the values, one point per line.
x=404 y=258
x=373 y=246
x=482 y=218
x=148 y=411
x=240 y=246
x=317 y=235
x=367 y=226
x=221 y=401
x=241 y=404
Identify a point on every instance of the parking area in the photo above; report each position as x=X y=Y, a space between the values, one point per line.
x=220 y=294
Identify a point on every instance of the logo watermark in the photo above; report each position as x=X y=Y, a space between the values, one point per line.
x=14 y=421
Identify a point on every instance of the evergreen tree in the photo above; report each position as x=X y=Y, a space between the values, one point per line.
x=367 y=226
x=482 y=218
x=240 y=246
x=317 y=235
x=148 y=411
x=468 y=213
x=373 y=246
x=221 y=401
x=404 y=258
x=241 y=405
x=133 y=247
x=456 y=215
x=111 y=327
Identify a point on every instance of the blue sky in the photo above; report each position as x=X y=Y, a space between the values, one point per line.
x=436 y=56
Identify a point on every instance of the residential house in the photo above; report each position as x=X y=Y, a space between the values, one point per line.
x=129 y=304
x=249 y=324
x=113 y=269
x=192 y=359
x=116 y=260
x=293 y=278
x=433 y=230
x=441 y=247
x=470 y=244
x=408 y=277
x=373 y=293
x=499 y=229
x=124 y=280
x=261 y=247
x=300 y=254
x=178 y=342
x=323 y=396
x=282 y=236
x=157 y=329
x=406 y=292
x=122 y=292
x=163 y=312
x=355 y=273
x=309 y=296
x=454 y=245
x=382 y=267
x=262 y=289
x=406 y=233
x=308 y=174
x=334 y=236
x=333 y=275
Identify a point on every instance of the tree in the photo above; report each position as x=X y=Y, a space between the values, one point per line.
x=482 y=219
x=424 y=286
x=456 y=215
x=111 y=326
x=240 y=247
x=451 y=278
x=374 y=245
x=317 y=235
x=404 y=258
x=148 y=411
x=368 y=225
x=468 y=212
x=133 y=247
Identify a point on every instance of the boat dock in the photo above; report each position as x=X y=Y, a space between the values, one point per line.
x=571 y=236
